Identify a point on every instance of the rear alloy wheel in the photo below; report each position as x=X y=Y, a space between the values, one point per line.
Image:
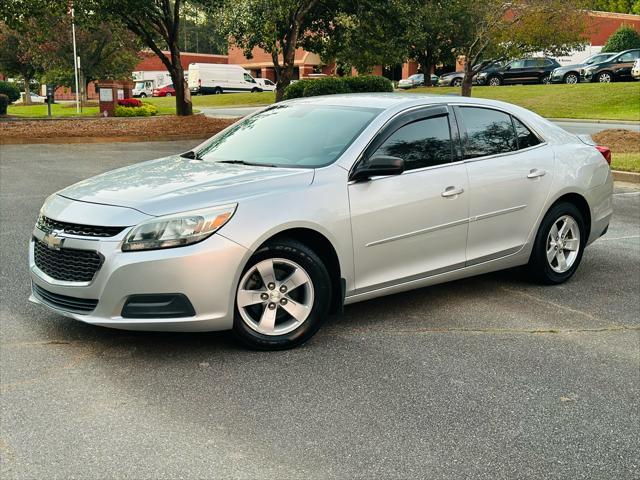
x=546 y=80
x=604 y=77
x=456 y=82
x=168 y=94
x=571 y=78
x=494 y=82
x=283 y=297
x=559 y=245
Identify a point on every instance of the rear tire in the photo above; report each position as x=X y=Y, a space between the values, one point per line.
x=494 y=81
x=284 y=276
x=546 y=80
x=217 y=91
x=457 y=82
x=168 y=94
x=559 y=245
x=604 y=77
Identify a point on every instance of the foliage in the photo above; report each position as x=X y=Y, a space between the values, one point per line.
x=18 y=52
x=10 y=90
x=130 y=102
x=622 y=39
x=619 y=6
x=4 y=103
x=145 y=110
x=498 y=29
x=334 y=85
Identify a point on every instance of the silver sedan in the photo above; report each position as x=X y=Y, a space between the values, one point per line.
x=284 y=217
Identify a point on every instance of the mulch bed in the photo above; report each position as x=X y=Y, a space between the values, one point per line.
x=147 y=128
x=619 y=141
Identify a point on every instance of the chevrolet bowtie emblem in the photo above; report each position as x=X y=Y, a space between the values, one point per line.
x=53 y=240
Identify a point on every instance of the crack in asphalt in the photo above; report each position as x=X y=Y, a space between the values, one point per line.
x=489 y=330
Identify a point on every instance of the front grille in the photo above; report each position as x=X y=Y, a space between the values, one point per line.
x=63 y=302
x=67 y=264
x=48 y=225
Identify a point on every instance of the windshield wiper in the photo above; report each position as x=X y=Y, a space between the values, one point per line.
x=191 y=155
x=252 y=164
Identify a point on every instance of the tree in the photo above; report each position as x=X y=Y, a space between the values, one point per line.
x=157 y=24
x=496 y=29
x=17 y=57
x=619 y=6
x=625 y=38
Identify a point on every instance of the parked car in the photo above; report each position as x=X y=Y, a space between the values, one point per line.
x=616 y=68
x=310 y=204
x=571 y=73
x=165 y=91
x=265 y=84
x=454 y=79
x=416 y=80
x=635 y=70
x=34 y=97
x=525 y=70
x=206 y=78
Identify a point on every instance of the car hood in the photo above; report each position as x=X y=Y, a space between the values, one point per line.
x=175 y=184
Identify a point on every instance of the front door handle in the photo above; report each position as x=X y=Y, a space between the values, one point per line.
x=452 y=191
x=535 y=173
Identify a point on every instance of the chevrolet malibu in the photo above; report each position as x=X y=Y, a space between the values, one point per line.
x=308 y=205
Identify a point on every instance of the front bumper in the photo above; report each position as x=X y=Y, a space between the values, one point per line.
x=206 y=273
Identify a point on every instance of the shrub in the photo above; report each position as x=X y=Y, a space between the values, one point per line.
x=10 y=90
x=145 y=110
x=333 y=85
x=368 y=83
x=625 y=38
x=4 y=102
x=130 y=102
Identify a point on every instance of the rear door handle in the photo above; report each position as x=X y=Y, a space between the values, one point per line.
x=535 y=173
x=452 y=191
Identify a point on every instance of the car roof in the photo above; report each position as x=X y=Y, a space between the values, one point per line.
x=392 y=101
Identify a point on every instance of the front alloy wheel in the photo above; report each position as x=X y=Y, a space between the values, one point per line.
x=283 y=296
x=495 y=81
x=456 y=82
x=571 y=78
x=605 y=77
x=546 y=80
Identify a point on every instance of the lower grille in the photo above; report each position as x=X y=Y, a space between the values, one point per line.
x=63 y=302
x=67 y=264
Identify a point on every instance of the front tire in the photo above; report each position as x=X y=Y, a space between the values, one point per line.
x=559 y=245
x=494 y=81
x=604 y=77
x=168 y=94
x=546 y=80
x=282 y=298
x=457 y=82
x=571 y=78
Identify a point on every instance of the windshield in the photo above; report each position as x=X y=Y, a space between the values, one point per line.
x=139 y=85
x=295 y=135
x=597 y=59
x=416 y=76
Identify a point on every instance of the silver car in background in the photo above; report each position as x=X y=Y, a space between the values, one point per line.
x=308 y=205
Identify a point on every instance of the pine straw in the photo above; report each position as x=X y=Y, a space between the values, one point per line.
x=619 y=141
x=157 y=128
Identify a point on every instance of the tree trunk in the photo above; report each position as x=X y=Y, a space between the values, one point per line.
x=426 y=64
x=286 y=74
x=27 y=91
x=467 y=81
x=184 y=107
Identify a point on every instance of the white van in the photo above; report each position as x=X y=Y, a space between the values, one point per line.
x=146 y=81
x=205 y=78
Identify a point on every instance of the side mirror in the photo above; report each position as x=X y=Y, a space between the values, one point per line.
x=378 y=166
x=508 y=67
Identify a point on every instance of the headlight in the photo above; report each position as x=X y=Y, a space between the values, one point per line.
x=178 y=230
x=482 y=74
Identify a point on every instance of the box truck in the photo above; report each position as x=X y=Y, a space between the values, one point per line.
x=145 y=82
x=206 y=78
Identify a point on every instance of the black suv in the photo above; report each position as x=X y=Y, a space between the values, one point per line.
x=616 y=68
x=524 y=70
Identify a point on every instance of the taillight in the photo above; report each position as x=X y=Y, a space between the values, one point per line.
x=606 y=153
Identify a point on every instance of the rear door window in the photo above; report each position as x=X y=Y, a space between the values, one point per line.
x=526 y=138
x=488 y=132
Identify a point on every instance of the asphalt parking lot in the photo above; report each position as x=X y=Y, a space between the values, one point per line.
x=490 y=377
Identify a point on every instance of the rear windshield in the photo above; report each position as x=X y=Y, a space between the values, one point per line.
x=294 y=135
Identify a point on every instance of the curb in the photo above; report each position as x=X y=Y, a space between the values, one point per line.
x=630 y=177
x=586 y=120
x=68 y=140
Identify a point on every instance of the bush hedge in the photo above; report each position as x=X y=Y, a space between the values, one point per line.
x=333 y=85
x=145 y=110
x=10 y=90
x=4 y=103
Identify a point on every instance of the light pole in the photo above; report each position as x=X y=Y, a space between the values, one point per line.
x=75 y=58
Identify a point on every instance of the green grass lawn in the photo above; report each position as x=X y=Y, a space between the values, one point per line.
x=629 y=162
x=614 y=101
x=224 y=100
x=68 y=110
